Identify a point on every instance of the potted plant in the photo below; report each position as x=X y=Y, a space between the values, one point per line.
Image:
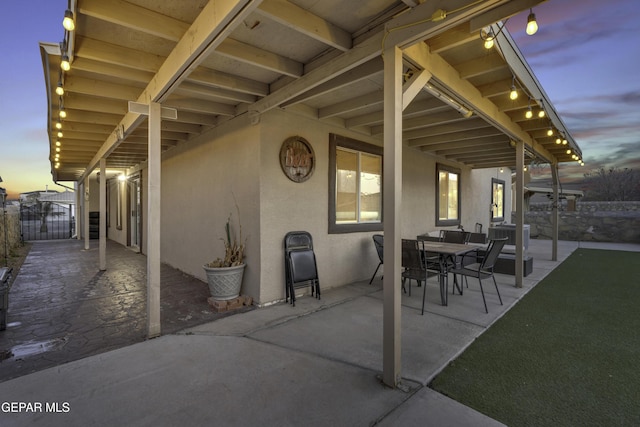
x=224 y=275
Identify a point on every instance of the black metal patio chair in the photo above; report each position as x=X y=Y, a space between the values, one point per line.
x=415 y=266
x=378 y=241
x=484 y=269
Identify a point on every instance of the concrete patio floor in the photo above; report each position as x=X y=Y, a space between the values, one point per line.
x=317 y=363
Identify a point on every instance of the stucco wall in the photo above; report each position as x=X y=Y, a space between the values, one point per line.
x=289 y=206
x=344 y=258
x=476 y=193
x=119 y=235
x=199 y=181
x=200 y=178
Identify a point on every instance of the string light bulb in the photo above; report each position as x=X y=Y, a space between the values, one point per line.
x=550 y=133
x=59 y=89
x=63 y=114
x=65 y=64
x=488 y=43
x=68 y=22
x=58 y=125
x=558 y=141
x=529 y=113
x=514 y=93
x=532 y=24
x=541 y=114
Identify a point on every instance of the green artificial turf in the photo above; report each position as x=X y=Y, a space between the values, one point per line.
x=568 y=354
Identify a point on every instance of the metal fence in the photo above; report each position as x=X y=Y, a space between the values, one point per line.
x=46 y=221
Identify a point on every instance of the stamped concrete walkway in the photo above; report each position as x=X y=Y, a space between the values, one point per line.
x=62 y=308
x=315 y=364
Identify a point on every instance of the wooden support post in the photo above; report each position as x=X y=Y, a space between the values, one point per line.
x=156 y=113
x=519 y=213
x=554 y=213
x=103 y=214
x=392 y=190
x=85 y=213
x=153 y=222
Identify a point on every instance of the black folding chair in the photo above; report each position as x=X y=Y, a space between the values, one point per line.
x=300 y=264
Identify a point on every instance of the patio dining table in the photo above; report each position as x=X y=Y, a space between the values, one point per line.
x=445 y=250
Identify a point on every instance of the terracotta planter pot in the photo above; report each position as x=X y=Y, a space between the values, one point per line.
x=225 y=282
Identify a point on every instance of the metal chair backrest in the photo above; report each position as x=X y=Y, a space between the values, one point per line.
x=378 y=241
x=452 y=236
x=411 y=256
x=295 y=240
x=493 y=252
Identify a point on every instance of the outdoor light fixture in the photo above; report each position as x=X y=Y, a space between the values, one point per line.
x=532 y=25
x=63 y=113
x=514 y=93
x=569 y=151
x=550 y=133
x=541 y=113
x=58 y=125
x=564 y=142
x=558 y=141
x=59 y=89
x=529 y=113
x=60 y=135
x=64 y=64
x=68 y=22
x=58 y=143
x=488 y=42
x=466 y=113
x=489 y=36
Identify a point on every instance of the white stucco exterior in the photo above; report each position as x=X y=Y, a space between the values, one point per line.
x=239 y=159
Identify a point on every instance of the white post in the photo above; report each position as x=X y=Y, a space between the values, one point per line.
x=79 y=209
x=153 y=221
x=85 y=213
x=519 y=212
x=156 y=113
x=554 y=213
x=392 y=194
x=103 y=214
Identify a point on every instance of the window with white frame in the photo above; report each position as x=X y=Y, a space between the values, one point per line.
x=448 y=196
x=355 y=180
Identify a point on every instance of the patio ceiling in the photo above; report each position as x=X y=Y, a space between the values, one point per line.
x=212 y=61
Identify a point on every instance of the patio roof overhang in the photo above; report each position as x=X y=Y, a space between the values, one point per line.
x=213 y=61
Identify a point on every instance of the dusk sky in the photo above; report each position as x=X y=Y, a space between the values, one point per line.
x=586 y=55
